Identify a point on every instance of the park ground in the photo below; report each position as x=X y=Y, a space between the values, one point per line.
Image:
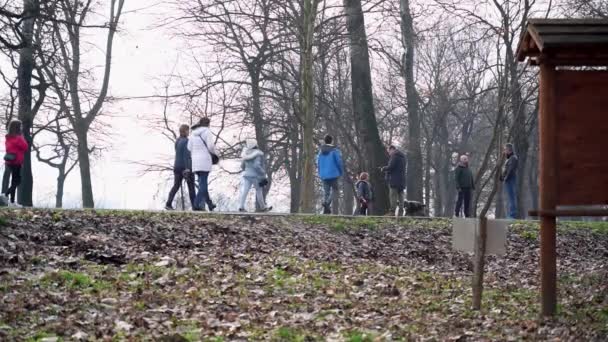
x=114 y=276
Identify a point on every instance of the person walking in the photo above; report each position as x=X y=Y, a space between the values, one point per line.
x=395 y=174
x=254 y=174
x=15 y=147
x=202 y=150
x=364 y=193
x=465 y=184
x=329 y=164
x=182 y=168
x=509 y=177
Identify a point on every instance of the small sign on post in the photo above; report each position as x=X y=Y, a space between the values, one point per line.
x=466 y=230
x=481 y=236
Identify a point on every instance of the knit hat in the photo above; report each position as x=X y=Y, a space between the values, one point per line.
x=251 y=143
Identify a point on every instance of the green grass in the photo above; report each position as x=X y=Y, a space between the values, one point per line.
x=74 y=280
x=340 y=224
x=41 y=335
x=358 y=336
x=287 y=334
x=597 y=227
x=529 y=235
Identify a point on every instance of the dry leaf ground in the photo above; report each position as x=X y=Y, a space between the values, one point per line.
x=112 y=276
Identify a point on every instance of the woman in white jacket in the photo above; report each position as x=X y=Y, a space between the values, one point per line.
x=201 y=146
x=253 y=166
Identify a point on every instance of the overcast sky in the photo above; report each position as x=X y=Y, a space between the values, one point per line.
x=143 y=56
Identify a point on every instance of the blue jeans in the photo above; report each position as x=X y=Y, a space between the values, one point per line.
x=330 y=187
x=259 y=192
x=202 y=196
x=511 y=189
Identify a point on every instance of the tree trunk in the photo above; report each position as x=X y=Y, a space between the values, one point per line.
x=307 y=102
x=24 y=92
x=60 y=186
x=363 y=105
x=349 y=197
x=85 y=169
x=414 y=166
x=427 y=177
x=500 y=202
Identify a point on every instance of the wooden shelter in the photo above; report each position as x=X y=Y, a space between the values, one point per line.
x=573 y=128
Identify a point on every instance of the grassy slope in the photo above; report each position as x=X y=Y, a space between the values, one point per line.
x=134 y=275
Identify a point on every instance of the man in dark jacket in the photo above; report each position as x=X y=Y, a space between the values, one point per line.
x=395 y=174
x=509 y=177
x=329 y=165
x=465 y=184
x=182 y=168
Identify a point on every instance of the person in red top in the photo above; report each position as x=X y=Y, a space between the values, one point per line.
x=16 y=146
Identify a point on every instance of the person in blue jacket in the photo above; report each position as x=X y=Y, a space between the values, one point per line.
x=329 y=164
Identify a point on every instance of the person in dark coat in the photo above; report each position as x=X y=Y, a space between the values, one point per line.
x=364 y=193
x=182 y=168
x=509 y=177
x=395 y=174
x=465 y=185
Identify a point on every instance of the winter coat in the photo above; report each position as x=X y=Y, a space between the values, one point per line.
x=364 y=190
x=329 y=162
x=16 y=145
x=510 y=170
x=464 y=177
x=201 y=157
x=252 y=163
x=183 y=160
x=395 y=170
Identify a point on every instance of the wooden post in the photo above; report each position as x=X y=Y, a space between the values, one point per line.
x=548 y=167
x=479 y=259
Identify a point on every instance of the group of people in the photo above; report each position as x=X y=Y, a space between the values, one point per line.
x=195 y=156
x=330 y=169
x=465 y=183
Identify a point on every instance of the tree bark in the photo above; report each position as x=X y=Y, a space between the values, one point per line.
x=85 y=168
x=307 y=102
x=363 y=105
x=60 y=186
x=414 y=166
x=25 y=114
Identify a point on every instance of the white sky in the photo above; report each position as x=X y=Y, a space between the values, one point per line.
x=143 y=55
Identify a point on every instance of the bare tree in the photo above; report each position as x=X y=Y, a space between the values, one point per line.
x=363 y=105
x=414 y=166
x=67 y=36
x=59 y=154
x=307 y=101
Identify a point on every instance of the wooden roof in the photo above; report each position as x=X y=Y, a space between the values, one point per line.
x=565 y=42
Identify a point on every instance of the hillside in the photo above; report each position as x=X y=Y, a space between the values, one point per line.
x=105 y=275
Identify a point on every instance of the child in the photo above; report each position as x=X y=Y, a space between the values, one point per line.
x=16 y=146
x=364 y=193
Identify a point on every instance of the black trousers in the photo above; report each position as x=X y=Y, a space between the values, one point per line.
x=12 y=174
x=177 y=184
x=363 y=209
x=464 y=197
